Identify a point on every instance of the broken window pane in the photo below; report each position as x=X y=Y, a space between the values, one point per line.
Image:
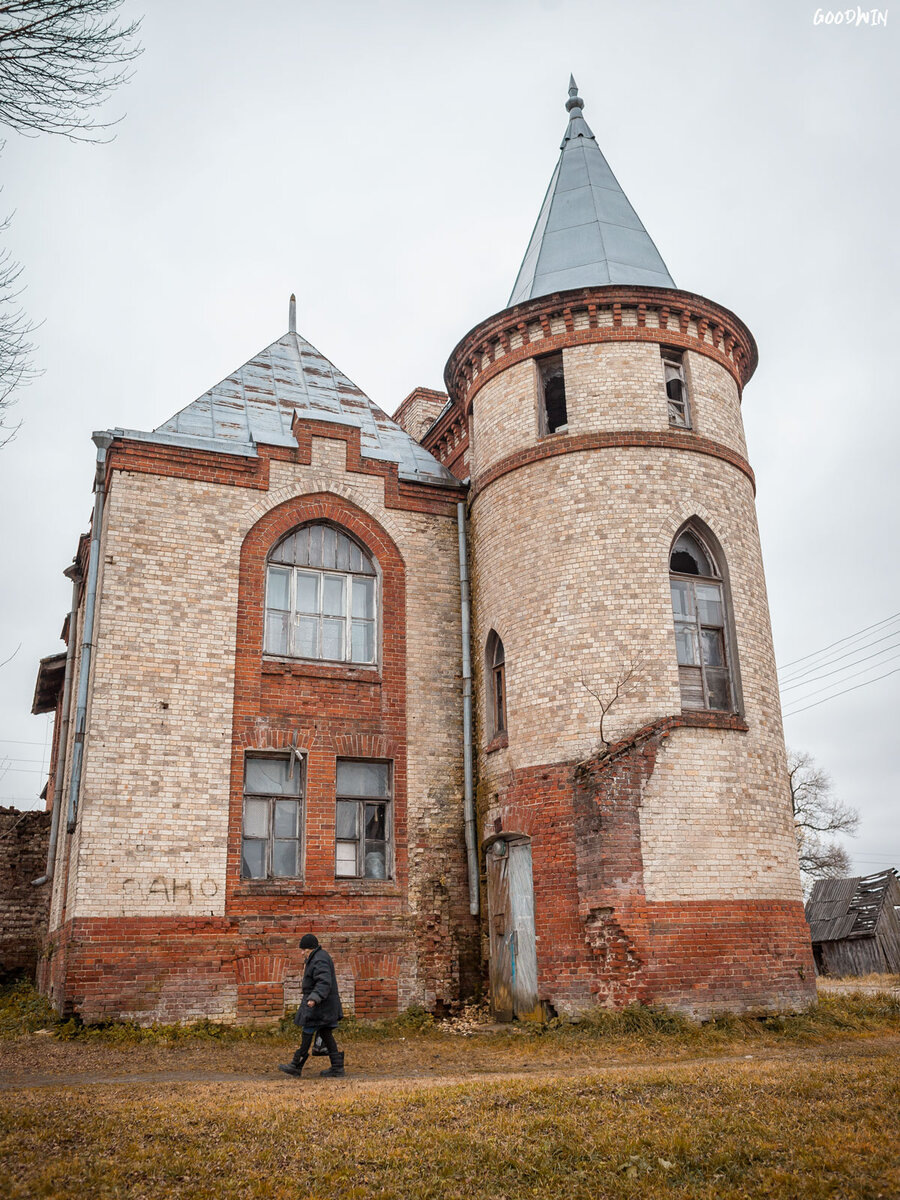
x=719 y=689
x=270 y=776
x=682 y=600
x=713 y=648
x=553 y=392
x=376 y=860
x=686 y=645
x=375 y=822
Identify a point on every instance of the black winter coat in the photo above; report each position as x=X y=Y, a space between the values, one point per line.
x=319 y=984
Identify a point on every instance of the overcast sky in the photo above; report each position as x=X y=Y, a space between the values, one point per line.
x=387 y=161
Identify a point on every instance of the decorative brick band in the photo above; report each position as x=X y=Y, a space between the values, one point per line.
x=605 y=314
x=208 y=466
x=663 y=439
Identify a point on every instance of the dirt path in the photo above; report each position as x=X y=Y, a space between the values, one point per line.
x=433 y=1077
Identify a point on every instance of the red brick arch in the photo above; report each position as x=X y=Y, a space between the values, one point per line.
x=331 y=710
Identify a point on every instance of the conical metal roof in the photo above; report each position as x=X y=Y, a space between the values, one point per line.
x=256 y=404
x=587 y=233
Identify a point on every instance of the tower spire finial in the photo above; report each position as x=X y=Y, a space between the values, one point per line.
x=292 y=314
x=574 y=100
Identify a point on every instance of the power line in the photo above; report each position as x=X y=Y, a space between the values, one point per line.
x=855 y=688
x=837 y=657
x=849 y=637
x=806 y=682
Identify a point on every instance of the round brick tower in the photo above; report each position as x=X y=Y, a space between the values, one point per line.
x=634 y=814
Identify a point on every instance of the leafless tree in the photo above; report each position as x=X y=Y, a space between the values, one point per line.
x=819 y=816
x=15 y=347
x=622 y=684
x=60 y=59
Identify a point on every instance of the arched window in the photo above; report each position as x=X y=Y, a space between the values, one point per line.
x=701 y=625
x=496 y=671
x=321 y=596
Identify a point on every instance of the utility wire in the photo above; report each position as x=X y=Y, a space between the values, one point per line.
x=815 y=678
x=855 y=688
x=837 y=657
x=849 y=637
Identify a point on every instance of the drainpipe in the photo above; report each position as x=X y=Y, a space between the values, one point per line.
x=102 y=442
x=468 y=792
x=62 y=739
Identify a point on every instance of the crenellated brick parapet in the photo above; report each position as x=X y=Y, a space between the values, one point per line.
x=585 y=316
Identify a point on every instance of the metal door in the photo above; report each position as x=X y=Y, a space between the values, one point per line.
x=514 y=989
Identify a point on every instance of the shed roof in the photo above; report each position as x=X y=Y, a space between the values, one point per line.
x=51 y=673
x=256 y=403
x=847 y=908
x=587 y=233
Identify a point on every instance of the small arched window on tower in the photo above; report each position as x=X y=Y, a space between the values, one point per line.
x=321 y=597
x=701 y=625
x=676 y=389
x=496 y=671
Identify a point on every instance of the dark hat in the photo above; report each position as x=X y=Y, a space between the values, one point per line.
x=309 y=941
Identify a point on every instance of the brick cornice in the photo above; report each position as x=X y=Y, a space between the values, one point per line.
x=662 y=439
x=210 y=466
x=603 y=314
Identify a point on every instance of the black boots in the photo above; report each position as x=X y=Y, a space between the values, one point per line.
x=295 y=1066
x=336 y=1071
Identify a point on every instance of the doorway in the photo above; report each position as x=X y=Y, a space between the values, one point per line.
x=513 y=968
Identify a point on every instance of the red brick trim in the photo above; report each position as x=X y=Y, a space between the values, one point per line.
x=209 y=466
x=657 y=439
x=331 y=711
x=486 y=350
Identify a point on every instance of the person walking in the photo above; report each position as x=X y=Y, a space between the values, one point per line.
x=319 y=1011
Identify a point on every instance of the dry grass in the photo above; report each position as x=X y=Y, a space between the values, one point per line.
x=639 y=1104
x=817 y=1127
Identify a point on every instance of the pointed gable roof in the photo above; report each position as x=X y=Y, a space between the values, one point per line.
x=587 y=233
x=256 y=403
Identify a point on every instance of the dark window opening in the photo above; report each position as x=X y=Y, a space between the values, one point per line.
x=553 y=393
x=497 y=668
x=676 y=389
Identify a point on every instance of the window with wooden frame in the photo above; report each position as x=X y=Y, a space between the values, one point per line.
x=273 y=817
x=321 y=597
x=552 y=385
x=496 y=673
x=363 y=824
x=676 y=389
x=701 y=625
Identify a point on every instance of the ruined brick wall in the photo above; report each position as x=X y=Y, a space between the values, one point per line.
x=23 y=908
x=181 y=691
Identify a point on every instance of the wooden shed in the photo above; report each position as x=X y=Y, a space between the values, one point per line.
x=855 y=924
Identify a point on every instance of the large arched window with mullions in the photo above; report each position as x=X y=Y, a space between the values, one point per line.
x=321 y=597
x=700 y=610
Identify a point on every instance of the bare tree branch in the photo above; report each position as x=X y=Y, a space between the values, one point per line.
x=621 y=686
x=15 y=348
x=59 y=60
x=818 y=817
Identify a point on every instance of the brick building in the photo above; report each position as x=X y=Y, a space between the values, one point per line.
x=483 y=692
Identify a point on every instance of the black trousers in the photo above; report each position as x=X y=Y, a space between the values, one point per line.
x=327 y=1036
